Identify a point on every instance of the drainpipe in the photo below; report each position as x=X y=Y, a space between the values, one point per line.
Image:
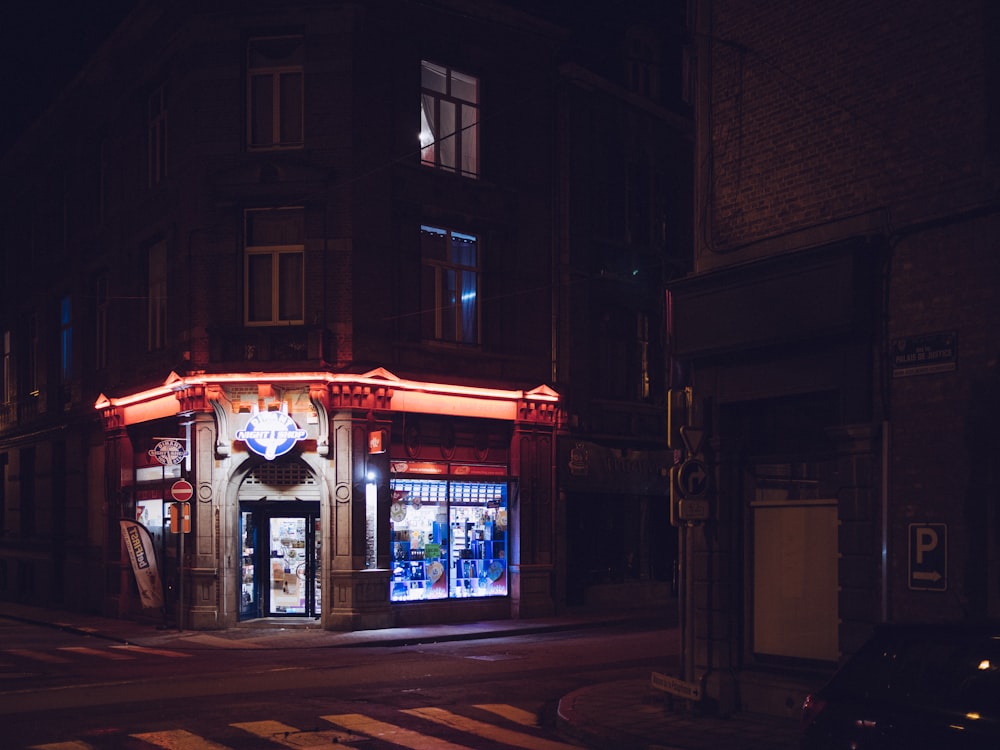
x=885 y=520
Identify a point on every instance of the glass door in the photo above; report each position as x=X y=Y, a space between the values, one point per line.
x=289 y=570
x=279 y=574
x=249 y=585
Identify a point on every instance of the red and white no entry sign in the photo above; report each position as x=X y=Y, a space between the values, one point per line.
x=181 y=490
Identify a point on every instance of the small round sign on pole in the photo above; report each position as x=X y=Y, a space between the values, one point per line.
x=181 y=490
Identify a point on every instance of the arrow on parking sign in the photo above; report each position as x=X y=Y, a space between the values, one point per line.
x=928 y=556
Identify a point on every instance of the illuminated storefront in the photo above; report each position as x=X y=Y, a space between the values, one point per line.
x=359 y=500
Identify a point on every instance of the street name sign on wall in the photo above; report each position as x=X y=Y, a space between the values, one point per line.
x=928 y=569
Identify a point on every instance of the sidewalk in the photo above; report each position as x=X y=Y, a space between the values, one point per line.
x=621 y=715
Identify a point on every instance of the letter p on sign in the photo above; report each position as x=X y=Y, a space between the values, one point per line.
x=927 y=541
x=928 y=556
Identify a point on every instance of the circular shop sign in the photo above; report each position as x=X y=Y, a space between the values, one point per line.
x=169 y=452
x=271 y=434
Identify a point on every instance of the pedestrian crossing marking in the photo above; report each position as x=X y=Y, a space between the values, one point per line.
x=390 y=732
x=290 y=736
x=490 y=732
x=39 y=655
x=102 y=653
x=178 y=739
x=513 y=713
x=358 y=727
x=147 y=650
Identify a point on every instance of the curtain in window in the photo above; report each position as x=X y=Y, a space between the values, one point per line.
x=428 y=129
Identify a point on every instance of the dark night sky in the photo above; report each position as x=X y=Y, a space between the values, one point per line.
x=43 y=43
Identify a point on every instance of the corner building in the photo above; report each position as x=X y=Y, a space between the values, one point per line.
x=834 y=350
x=364 y=294
x=295 y=241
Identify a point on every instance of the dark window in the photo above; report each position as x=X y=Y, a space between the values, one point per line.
x=275 y=273
x=275 y=92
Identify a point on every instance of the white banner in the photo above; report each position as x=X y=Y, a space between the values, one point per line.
x=142 y=553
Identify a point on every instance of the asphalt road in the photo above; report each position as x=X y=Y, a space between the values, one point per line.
x=64 y=691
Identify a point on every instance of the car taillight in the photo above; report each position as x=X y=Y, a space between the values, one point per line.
x=812 y=706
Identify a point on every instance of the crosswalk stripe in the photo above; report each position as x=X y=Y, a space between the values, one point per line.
x=75 y=745
x=178 y=739
x=490 y=732
x=102 y=653
x=513 y=713
x=147 y=650
x=289 y=736
x=390 y=732
x=39 y=655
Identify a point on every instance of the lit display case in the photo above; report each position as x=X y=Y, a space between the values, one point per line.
x=448 y=539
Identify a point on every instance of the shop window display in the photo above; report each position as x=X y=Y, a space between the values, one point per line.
x=448 y=539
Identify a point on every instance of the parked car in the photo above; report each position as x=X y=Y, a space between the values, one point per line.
x=912 y=687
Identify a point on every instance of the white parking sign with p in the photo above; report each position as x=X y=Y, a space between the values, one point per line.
x=928 y=569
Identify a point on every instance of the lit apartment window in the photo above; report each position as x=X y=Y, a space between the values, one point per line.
x=31 y=359
x=642 y=355
x=65 y=339
x=450 y=285
x=449 y=119
x=275 y=248
x=156 y=115
x=157 y=292
x=274 y=92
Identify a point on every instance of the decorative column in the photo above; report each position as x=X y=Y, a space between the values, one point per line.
x=358 y=586
x=207 y=604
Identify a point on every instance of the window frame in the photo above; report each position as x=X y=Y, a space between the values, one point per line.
x=102 y=312
x=65 y=312
x=434 y=301
x=156 y=136
x=156 y=290
x=275 y=252
x=7 y=390
x=276 y=73
x=431 y=154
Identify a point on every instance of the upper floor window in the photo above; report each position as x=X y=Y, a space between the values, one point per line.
x=643 y=63
x=274 y=92
x=450 y=285
x=449 y=119
x=275 y=248
x=156 y=126
x=65 y=339
x=102 y=312
x=31 y=356
x=7 y=392
x=157 y=294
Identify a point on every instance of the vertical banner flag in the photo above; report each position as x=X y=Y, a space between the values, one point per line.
x=142 y=553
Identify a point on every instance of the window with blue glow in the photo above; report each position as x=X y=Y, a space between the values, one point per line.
x=450 y=285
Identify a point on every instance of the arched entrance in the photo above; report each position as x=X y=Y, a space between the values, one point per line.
x=280 y=541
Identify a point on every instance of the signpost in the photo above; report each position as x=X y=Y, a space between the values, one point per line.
x=675 y=686
x=170 y=451
x=928 y=557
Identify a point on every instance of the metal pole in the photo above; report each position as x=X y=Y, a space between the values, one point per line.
x=180 y=574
